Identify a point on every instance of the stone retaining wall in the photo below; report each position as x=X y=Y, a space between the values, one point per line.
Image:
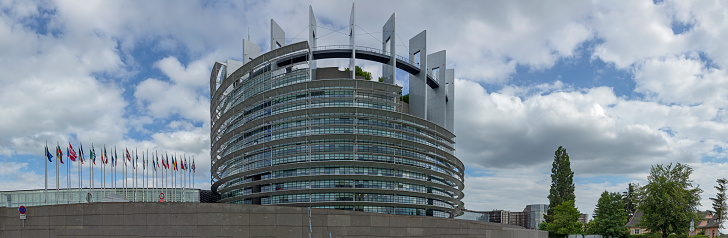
x=234 y=220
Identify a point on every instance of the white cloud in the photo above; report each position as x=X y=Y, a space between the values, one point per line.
x=503 y=131
x=507 y=189
x=16 y=176
x=633 y=31
x=51 y=88
x=682 y=80
x=184 y=94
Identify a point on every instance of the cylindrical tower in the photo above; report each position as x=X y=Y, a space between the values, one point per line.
x=287 y=133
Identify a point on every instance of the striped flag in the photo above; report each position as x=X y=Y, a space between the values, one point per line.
x=59 y=154
x=193 y=165
x=80 y=154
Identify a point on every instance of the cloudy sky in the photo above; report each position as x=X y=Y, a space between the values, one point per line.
x=621 y=85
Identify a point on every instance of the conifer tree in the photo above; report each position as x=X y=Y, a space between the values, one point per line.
x=562 y=182
x=719 y=202
x=609 y=216
x=629 y=198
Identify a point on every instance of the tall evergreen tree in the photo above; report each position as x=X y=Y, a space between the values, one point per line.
x=609 y=217
x=629 y=198
x=562 y=182
x=669 y=200
x=719 y=202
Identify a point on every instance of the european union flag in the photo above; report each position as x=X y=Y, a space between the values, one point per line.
x=48 y=154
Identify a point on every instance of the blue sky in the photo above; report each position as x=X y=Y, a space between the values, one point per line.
x=621 y=85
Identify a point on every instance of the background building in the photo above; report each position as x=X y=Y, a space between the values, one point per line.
x=497 y=216
x=536 y=214
x=584 y=219
x=287 y=132
x=531 y=216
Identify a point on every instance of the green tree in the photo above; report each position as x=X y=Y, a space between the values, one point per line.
x=565 y=220
x=405 y=98
x=609 y=217
x=629 y=198
x=719 y=201
x=360 y=72
x=562 y=182
x=669 y=200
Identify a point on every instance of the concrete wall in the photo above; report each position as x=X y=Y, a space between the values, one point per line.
x=234 y=220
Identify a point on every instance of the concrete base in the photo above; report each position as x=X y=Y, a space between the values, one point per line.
x=234 y=220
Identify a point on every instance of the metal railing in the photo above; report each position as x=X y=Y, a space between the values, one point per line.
x=362 y=48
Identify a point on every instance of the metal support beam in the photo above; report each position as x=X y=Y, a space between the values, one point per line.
x=418 y=83
x=389 y=37
x=352 y=41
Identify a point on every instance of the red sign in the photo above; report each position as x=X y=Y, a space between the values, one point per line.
x=21 y=209
x=161 y=197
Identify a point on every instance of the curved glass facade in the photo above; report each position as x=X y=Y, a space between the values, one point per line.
x=290 y=136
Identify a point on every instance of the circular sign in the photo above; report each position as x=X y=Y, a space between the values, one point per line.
x=21 y=209
x=161 y=195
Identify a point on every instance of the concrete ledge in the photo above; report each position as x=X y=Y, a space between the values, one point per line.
x=235 y=220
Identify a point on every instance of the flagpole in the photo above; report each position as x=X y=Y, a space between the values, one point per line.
x=193 y=171
x=146 y=174
x=183 y=181
x=144 y=177
x=174 y=173
x=103 y=174
x=164 y=175
x=58 y=179
x=126 y=192
x=80 y=166
x=134 y=166
x=45 y=190
x=113 y=172
x=91 y=168
x=155 y=183
x=174 y=181
x=68 y=178
x=80 y=175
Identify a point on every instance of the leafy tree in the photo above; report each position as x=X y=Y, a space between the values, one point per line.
x=629 y=198
x=360 y=72
x=562 y=182
x=565 y=220
x=669 y=200
x=405 y=98
x=719 y=202
x=609 y=217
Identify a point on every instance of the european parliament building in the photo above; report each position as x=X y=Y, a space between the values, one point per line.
x=286 y=132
